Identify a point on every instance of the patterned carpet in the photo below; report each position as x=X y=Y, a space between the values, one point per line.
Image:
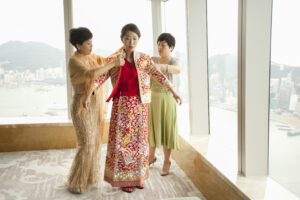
x=41 y=175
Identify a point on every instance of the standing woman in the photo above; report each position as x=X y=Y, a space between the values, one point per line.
x=127 y=150
x=83 y=68
x=162 y=116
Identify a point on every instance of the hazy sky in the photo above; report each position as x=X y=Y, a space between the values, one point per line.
x=222 y=29
x=222 y=26
x=106 y=19
x=32 y=20
x=42 y=20
x=175 y=22
x=286 y=32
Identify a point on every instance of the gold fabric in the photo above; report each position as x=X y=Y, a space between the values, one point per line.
x=86 y=165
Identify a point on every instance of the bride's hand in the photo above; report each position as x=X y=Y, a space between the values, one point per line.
x=177 y=98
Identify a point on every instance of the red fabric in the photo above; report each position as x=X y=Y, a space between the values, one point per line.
x=127 y=83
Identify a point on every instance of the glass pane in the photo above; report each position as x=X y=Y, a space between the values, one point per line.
x=106 y=25
x=175 y=23
x=222 y=22
x=32 y=61
x=284 y=130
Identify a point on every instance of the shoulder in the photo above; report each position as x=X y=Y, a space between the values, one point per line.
x=93 y=55
x=141 y=55
x=73 y=56
x=155 y=58
x=143 y=60
x=174 y=61
x=74 y=62
x=73 y=59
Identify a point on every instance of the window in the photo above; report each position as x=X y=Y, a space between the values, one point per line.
x=222 y=22
x=284 y=125
x=32 y=61
x=174 y=17
x=106 y=18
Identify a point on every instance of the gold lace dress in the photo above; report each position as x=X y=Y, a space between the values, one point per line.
x=86 y=165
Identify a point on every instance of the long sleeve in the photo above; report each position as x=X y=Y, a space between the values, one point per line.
x=78 y=72
x=101 y=79
x=101 y=60
x=109 y=58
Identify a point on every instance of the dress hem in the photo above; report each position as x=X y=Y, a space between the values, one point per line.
x=125 y=183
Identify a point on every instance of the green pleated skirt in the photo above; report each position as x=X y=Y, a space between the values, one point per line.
x=162 y=118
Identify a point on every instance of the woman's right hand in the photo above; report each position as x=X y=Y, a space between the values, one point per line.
x=119 y=61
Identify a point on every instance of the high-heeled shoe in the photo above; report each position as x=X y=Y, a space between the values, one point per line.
x=142 y=186
x=127 y=189
x=152 y=162
x=162 y=173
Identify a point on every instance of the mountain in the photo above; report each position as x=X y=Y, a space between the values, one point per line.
x=279 y=70
x=30 y=55
x=226 y=65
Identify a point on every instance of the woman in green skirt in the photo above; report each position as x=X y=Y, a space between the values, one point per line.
x=162 y=116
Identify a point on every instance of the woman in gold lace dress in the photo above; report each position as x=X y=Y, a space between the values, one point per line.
x=83 y=68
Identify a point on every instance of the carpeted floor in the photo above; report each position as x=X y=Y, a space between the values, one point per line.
x=41 y=175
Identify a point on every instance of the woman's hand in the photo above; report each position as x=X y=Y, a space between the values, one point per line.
x=177 y=98
x=87 y=101
x=119 y=60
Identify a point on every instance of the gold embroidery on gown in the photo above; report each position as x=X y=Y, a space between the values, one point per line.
x=86 y=165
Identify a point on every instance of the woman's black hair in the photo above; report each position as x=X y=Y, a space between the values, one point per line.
x=79 y=35
x=168 y=38
x=130 y=27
